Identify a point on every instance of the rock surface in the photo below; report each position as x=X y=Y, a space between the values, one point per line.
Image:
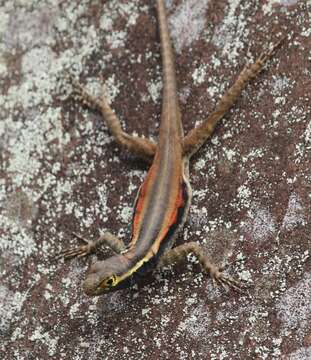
x=61 y=172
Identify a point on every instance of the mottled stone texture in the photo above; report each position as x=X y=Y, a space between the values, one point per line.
x=62 y=172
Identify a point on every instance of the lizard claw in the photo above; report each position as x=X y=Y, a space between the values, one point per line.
x=227 y=282
x=265 y=55
x=79 y=251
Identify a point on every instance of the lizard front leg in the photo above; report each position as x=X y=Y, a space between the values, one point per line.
x=196 y=138
x=180 y=253
x=114 y=243
x=144 y=148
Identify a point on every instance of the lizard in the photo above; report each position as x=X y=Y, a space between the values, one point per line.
x=163 y=200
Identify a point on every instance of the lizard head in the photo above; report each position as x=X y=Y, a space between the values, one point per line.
x=105 y=276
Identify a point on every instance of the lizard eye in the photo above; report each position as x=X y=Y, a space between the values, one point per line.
x=109 y=282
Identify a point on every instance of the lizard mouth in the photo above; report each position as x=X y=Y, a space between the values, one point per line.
x=91 y=285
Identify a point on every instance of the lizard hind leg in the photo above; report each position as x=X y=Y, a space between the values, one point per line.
x=114 y=243
x=180 y=253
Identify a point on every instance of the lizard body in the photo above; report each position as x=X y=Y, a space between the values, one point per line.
x=163 y=200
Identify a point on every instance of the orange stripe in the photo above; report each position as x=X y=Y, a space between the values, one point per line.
x=141 y=201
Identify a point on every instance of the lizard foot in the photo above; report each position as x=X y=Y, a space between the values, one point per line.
x=219 y=278
x=79 y=251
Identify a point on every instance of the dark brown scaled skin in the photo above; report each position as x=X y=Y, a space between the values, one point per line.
x=164 y=198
